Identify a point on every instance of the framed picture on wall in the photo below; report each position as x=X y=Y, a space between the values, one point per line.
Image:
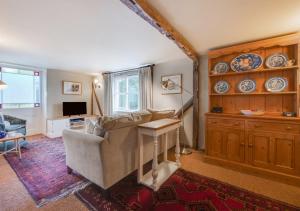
x=171 y=84
x=72 y=88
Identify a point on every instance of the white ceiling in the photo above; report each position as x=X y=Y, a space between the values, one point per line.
x=209 y=24
x=104 y=35
x=79 y=35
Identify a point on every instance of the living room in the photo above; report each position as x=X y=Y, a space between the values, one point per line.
x=149 y=105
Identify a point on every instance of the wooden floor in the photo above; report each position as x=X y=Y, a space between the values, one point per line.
x=13 y=195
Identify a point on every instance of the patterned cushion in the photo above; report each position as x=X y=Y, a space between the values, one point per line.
x=99 y=131
x=161 y=114
x=90 y=126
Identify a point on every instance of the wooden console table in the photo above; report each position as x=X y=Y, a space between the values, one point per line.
x=15 y=138
x=159 y=173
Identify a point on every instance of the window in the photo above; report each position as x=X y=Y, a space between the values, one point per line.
x=23 y=88
x=126 y=93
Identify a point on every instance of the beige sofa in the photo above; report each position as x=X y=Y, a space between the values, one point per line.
x=106 y=160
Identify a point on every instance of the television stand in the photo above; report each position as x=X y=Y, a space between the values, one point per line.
x=77 y=123
x=56 y=126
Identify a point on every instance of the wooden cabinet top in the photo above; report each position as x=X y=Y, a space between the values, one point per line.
x=285 y=40
x=159 y=124
x=264 y=117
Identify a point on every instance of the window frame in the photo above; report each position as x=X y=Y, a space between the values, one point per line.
x=35 y=73
x=116 y=92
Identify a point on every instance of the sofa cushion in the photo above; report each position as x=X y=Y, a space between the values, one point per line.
x=141 y=116
x=90 y=126
x=14 y=127
x=1 y=118
x=98 y=130
x=161 y=114
x=113 y=122
x=106 y=123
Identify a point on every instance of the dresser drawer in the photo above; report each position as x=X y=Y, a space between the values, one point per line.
x=273 y=126
x=224 y=122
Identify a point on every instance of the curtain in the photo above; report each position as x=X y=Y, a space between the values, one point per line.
x=146 y=90
x=145 y=87
x=108 y=95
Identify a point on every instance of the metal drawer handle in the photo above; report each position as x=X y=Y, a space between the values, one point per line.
x=242 y=144
x=250 y=145
x=289 y=128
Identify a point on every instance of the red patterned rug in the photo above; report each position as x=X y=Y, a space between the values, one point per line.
x=182 y=191
x=43 y=171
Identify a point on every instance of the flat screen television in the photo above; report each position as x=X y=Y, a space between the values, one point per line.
x=74 y=108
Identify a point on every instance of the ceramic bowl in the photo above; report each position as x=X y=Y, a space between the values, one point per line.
x=252 y=113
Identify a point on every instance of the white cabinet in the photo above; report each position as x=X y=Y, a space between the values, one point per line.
x=55 y=127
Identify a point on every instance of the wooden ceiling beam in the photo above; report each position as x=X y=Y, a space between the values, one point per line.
x=153 y=17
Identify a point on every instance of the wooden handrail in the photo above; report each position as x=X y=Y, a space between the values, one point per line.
x=186 y=106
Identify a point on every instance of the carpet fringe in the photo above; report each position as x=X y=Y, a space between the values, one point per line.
x=64 y=192
x=86 y=202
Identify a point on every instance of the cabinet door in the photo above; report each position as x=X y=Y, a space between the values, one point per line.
x=259 y=150
x=275 y=151
x=59 y=126
x=283 y=156
x=234 y=145
x=215 y=142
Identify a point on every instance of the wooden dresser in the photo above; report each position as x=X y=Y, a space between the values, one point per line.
x=268 y=143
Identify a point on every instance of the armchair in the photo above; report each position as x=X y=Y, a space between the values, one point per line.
x=15 y=124
x=12 y=124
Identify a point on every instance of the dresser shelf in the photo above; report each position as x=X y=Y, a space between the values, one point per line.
x=260 y=93
x=256 y=71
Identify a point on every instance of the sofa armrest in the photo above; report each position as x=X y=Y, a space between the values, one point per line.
x=83 y=154
x=14 y=120
x=79 y=145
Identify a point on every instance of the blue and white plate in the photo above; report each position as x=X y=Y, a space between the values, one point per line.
x=221 y=67
x=247 y=61
x=276 y=60
x=221 y=87
x=276 y=84
x=247 y=86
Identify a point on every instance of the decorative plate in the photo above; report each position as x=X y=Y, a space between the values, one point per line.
x=247 y=86
x=221 y=87
x=276 y=84
x=244 y=62
x=276 y=60
x=221 y=67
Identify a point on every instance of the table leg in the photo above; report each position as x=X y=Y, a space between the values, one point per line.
x=18 y=148
x=155 y=164
x=165 y=142
x=177 y=149
x=141 y=158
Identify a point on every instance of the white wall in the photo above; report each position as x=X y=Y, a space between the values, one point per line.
x=184 y=67
x=55 y=96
